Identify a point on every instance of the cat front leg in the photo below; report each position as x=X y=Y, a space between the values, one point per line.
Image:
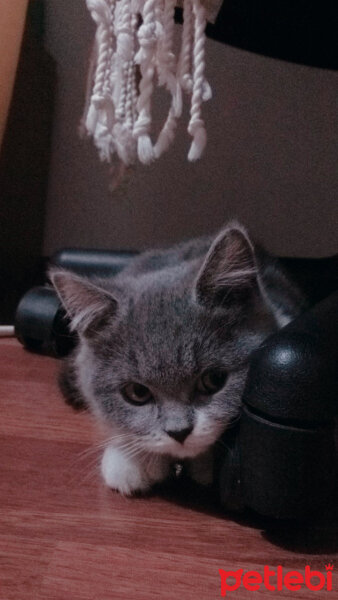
x=130 y=475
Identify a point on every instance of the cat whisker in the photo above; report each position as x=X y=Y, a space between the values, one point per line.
x=135 y=451
x=131 y=444
x=233 y=422
x=91 y=475
x=128 y=445
x=80 y=475
x=98 y=446
x=82 y=457
x=91 y=450
x=151 y=459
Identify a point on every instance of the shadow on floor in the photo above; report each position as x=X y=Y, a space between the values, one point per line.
x=318 y=536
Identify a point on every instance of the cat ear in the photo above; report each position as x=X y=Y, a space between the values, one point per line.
x=85 y=303
x=229 y=270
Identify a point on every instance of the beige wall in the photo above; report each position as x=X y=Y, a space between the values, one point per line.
x=271 y=159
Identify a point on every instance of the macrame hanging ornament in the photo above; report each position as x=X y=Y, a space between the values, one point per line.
x=133 y=53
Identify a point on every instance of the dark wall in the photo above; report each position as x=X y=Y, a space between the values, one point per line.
x=24 y=163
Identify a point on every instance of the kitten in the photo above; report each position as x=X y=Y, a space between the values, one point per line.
x=164 y=347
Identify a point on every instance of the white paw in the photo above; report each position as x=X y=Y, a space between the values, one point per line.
x=130 y=475
x=121 y=473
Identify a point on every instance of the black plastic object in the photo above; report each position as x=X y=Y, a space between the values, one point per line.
x=103 y=263
x=293 y=30
x=285 y=442
x=40 y=322
x=316 y=277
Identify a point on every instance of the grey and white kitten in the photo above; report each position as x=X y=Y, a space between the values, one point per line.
x=164 y=347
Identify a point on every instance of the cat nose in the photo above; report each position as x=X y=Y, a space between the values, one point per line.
x=179 y=434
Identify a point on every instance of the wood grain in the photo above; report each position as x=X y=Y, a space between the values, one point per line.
x=63 y=535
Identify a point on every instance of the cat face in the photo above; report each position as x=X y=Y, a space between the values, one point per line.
x=164 y=355
x=166 y=368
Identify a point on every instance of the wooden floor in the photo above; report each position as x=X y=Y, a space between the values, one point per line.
x=64 y=536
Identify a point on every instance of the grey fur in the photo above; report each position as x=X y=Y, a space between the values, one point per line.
x=168 y=317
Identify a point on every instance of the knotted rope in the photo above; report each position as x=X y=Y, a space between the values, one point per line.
x=135 y=39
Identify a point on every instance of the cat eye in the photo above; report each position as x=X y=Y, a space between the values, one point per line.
x=136 y=393
x=211 y=381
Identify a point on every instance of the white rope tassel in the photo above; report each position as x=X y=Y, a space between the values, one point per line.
x=196 y=126
x=165 y=57
x=125 y=27
x=145 y=58
x=167 y=76
x=89 y=87
x=137 y=37
x=184 y=62
x=124 y=34
x=100 y=115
